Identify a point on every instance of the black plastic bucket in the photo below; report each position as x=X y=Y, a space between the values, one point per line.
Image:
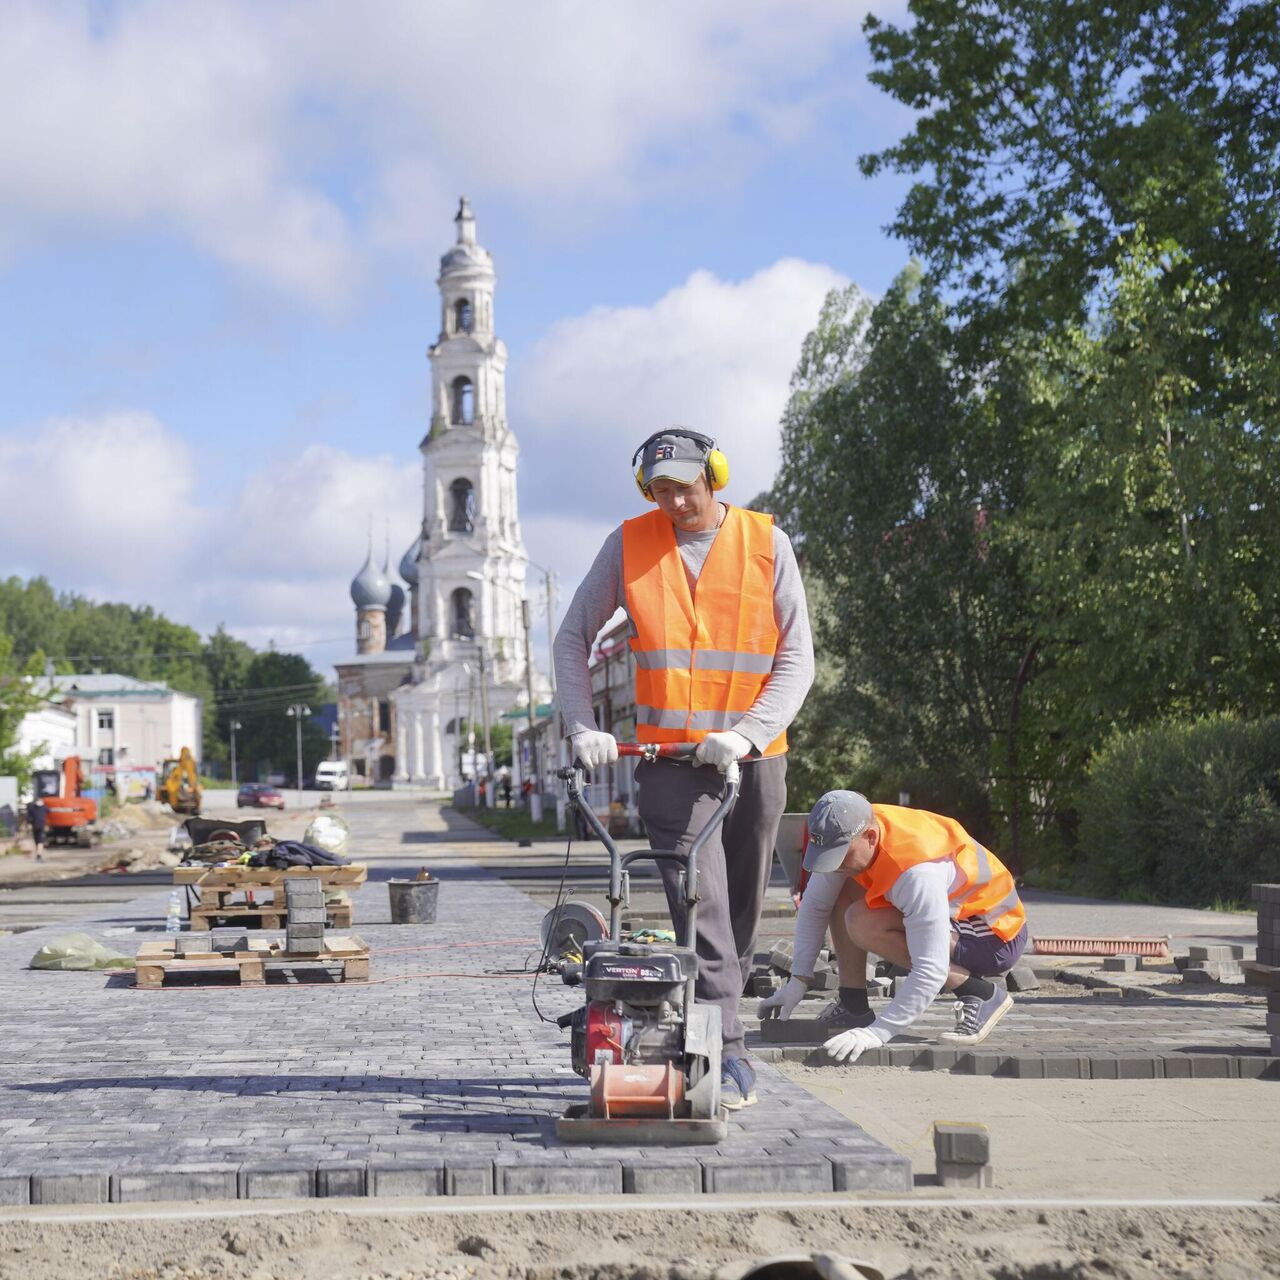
x=413 y=901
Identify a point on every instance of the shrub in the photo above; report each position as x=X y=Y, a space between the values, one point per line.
x=1184 y=811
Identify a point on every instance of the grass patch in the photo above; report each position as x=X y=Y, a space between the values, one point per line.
x=515 y=824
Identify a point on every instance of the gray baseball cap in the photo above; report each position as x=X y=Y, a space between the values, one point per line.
x=833 y=822
x=672 y=457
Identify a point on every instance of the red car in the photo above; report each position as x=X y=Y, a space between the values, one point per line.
x=259 y=795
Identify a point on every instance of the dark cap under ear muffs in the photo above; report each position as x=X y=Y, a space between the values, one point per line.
x=715 y=465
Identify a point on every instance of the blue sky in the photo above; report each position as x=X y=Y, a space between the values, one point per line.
x=219 y=231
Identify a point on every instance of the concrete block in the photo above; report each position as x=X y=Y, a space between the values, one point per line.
x=296 y=929
x=301 y=886
x=1273 y=1024
x=964 y=1175
x=1023 y=1066
x=1260 y=1066
x=662 y=1177
x=1121 y=964
x=1138 y=1066
x=794 y=1031
x=1022 y=978
x=881 y=1170
x=175 y=1184
x=1065 y=1066
x=277 y=1182
x=764 y=984
x=825 y=980
x=307 y=915
x=977 y=1063
x=468 y=1176
x=15 y=1188
x=1265 y=893
x=780 y=956
x=941 y=1059
x=878 y=986
x=1200 y=975
x=342 y=1179
x=304 y=946
x=961 y=1142
x=723 y=1175
x=406 y=1178
x=70 y=1188
x=559 y=1178
x=1211 y=1066
x=1176 y=1066
x=1215 y=952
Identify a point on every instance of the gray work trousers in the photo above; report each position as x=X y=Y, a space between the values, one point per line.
x=733 y=866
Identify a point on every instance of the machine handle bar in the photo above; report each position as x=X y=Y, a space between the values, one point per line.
x=653 y=750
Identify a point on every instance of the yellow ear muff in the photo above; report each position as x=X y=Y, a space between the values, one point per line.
x=717 y=470
x=648 y=497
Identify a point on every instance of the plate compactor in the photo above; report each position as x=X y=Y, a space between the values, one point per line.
x=650 y=1052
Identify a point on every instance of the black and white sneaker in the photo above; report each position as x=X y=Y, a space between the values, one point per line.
x=837 y=1018
x=976 y=1018
x=737 y=1084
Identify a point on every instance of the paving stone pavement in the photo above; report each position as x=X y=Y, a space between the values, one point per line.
x=437 y=1077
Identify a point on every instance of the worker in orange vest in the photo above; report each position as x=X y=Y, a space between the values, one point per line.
x=915 y=888
x=723 y=657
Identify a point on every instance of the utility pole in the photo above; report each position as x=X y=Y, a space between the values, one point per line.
x=235 y=724
x=488 y=744
x=535 y=797
x=299 y=711
x=334 y=734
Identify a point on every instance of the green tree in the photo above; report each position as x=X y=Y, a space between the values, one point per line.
x=273 y=683
x=898 y=465
x=17 y=699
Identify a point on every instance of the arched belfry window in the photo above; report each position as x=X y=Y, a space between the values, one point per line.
x=462 y=315
x=462 y=506
x=464 y=402
x=462 y=625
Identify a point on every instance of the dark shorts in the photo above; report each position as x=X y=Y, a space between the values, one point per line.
x=988 y=956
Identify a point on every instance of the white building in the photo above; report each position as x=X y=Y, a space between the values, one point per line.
x=51 y=731
x=125 y=723
x=407 y=700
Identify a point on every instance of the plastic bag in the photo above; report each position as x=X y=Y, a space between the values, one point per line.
x=78 y=951
x=328 y=832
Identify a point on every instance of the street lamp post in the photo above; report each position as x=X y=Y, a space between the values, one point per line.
x=235 y=724
x=488 y=742
x=299 y=711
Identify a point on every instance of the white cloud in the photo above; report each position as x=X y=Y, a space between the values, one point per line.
x=107 y=506
x=289 y=141
x=713 y=355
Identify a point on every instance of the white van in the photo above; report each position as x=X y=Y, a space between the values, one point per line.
x=333 y=775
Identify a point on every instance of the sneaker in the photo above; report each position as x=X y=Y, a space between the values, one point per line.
x=836 y=1017
x=737 y=1084
x=976 y=1018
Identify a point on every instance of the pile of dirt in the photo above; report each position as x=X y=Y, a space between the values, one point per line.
x=931 y=1241
x=127 y=861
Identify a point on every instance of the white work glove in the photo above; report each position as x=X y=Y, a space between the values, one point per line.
x=783 y=1001
x=593 y=750
x=721 y=749
x=849 y=1046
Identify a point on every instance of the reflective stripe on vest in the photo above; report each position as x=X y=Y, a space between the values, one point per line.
x=700 y=669
x=986 y=890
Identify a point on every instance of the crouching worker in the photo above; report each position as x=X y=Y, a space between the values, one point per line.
x=918 y=890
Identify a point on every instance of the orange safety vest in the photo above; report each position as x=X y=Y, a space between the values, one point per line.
x=700 y=669
x=985 y=888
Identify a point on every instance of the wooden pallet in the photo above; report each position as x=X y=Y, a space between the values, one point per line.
x=239 y=877
x=155 y=960
x=204 y=918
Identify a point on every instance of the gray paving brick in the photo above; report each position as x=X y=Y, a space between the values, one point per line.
x=406 y=1178
x=871 y=1171
x=955 y=1174
x=208 y=1183
x=662 y=1177
x=722 y=1176
x=341 y=1179
x=277 y=1181
x=961 y=1142
x=15 y=1188
x=585 y=1178
x=71 y=1188
x=468 y=1176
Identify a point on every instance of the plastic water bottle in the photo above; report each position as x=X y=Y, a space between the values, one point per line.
x=173 y=916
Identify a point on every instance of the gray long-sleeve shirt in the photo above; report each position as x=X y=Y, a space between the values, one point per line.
x=602 y=591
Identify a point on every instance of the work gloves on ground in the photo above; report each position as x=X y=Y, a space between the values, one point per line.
x=782 y=1003
x=594 y=750
x=849 y=1046
x=721 y=749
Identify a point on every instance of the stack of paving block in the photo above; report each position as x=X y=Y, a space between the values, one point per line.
x=963 y=1154
x=304 y=926
x=1212 y=963
x=824 y=974
x=1266 y=897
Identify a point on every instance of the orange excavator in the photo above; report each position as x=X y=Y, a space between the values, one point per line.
x=178 y=784
x=71 y=816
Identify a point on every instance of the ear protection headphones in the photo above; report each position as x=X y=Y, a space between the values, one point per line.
x=716 y=464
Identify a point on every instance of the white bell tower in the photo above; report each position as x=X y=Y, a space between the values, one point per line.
x=471 y=557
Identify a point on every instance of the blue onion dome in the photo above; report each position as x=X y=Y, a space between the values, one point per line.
x=409 y=562
x=370 y=588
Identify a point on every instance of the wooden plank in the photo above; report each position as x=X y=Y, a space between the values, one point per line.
x=355 y=873
x=156 y=959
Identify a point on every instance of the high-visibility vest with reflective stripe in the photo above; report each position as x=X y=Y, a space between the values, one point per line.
x=984 y=889
x=700 y=670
